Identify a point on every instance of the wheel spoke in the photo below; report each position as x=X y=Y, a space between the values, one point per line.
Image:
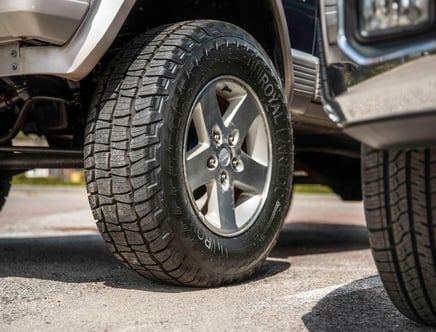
x=197 y=172
x=208 y=113
x=256 y=141
x=241 y=113
x=222 y=208
x=227 y=209
x=253 y=177
x=245 y=206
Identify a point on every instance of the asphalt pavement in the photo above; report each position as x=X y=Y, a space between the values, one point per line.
x=57 y=275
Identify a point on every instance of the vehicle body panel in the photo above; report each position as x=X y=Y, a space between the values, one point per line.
x=301 y=18
x=78 y=57
x=48 y=21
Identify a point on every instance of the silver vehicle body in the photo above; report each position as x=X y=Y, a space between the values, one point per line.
x=89 y=28
x=75 y=34
x=53 y=52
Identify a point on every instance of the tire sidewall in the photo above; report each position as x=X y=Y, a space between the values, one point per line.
x=225 y=55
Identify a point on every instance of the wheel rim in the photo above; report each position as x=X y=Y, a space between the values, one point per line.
x=227 y=156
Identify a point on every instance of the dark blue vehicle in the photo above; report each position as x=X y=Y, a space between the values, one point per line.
x=183 y=114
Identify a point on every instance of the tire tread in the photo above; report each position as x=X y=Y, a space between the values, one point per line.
x=122 y=149
x=399 y=208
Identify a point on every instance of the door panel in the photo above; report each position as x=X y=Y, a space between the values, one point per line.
x=301 y=16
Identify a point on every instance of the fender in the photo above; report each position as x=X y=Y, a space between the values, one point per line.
x=285 y=45
x=75 y=59
x=48 y=21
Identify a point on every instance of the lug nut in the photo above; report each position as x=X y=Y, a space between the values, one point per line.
x=223 y=178
x=233 y=137
x=211 y=162
x=217 y=138
x=237 y=165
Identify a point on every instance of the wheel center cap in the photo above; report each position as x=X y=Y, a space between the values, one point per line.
x=224 y=157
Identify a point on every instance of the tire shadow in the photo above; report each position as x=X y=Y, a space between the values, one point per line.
x=362 y=305
x=85 y=259
x=306 y=238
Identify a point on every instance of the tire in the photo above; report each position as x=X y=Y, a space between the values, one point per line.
x=171 y=169
x=399 y=189
x=5 y=186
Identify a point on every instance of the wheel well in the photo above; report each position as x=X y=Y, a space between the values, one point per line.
x=259 y=20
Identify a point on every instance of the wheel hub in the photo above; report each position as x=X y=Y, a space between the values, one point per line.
x=224 y=157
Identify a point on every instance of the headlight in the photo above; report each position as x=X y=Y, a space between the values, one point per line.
x=387 y=17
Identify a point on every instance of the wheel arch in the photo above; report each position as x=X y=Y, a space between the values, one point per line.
x=109 y=24
x=265 y=21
